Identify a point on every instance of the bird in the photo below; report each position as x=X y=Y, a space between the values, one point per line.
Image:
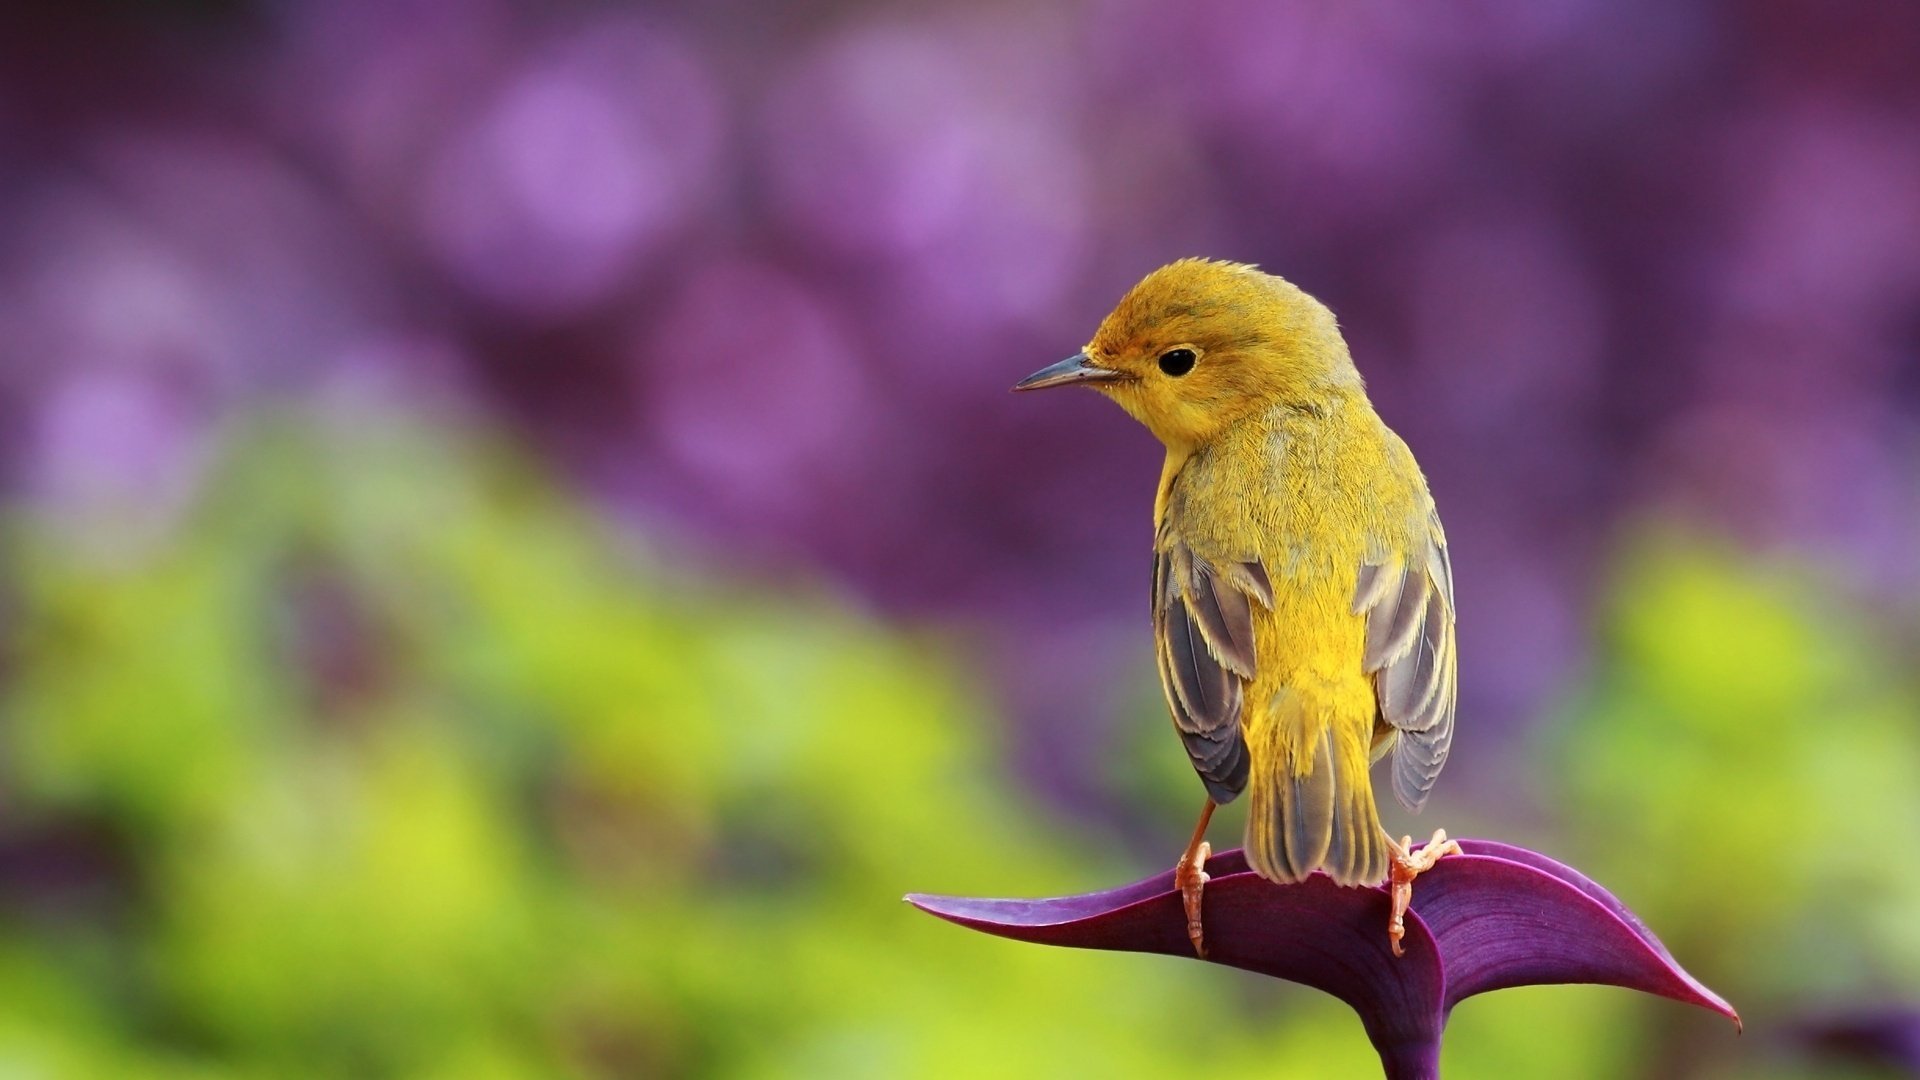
x=1303 y=609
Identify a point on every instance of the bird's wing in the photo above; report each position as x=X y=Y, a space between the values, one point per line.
x=1203 y=640
x=1408 y=605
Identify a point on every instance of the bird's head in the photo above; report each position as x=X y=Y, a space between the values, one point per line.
x=1199 y=344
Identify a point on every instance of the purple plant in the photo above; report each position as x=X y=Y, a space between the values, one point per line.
x=1493 y=917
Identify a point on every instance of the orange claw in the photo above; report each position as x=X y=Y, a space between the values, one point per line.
x=1190 y=875
x=1191 y=878
x=1407 y=865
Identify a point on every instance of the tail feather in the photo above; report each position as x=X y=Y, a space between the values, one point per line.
x=1358 y=854
x=1311 y=801
x=1306 y=817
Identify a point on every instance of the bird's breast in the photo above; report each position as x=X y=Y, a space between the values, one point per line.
x=1270 y=498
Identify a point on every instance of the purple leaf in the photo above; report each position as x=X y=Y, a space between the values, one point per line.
x=1493 y=917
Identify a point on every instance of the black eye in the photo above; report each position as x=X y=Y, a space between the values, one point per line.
x=1177 y=362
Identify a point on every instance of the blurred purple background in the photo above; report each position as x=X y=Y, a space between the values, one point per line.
x=758 y=276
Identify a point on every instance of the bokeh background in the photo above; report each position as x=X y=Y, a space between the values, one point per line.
x=517 y=550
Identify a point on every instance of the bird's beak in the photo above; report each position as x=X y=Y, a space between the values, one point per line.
x=1077 y=368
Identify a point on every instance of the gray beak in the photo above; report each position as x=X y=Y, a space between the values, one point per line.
x=1074 y=369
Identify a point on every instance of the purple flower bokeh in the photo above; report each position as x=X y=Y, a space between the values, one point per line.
x=760 y=281
x=1874 y=1037
x=549 y=197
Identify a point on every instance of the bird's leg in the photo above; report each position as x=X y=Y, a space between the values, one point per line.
x=1407 y=865
x=1190 y=876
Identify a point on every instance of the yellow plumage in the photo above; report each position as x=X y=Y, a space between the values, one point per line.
x=1303 y=599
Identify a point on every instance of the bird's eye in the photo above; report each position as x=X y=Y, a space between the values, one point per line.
x=1177 y=362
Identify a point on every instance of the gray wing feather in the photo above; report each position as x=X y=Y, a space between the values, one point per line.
x=1408 y=605
x=1203 y=623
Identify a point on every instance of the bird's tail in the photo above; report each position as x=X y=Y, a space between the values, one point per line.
x=1310 y=804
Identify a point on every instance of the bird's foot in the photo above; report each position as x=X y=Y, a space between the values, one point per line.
x=1190 y=877
x=1407 y=865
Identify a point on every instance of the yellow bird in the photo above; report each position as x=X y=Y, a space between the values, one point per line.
x=1302 y=593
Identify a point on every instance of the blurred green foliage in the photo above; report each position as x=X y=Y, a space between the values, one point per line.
x=1743 y=771
x=393 y=761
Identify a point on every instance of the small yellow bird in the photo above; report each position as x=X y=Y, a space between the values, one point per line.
x=1302 y=593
